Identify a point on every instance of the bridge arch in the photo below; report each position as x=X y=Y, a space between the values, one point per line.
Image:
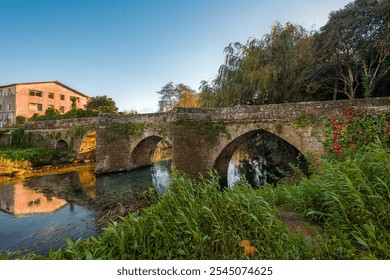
x=62 y=147
x=222 y=161
x=142 y=152
x=85 y=146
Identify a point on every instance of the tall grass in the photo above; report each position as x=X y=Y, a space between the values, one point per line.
x=349 y=200
x=9 y=167
x=35 y=156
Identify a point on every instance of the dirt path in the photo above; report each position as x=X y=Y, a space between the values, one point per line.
x=295 y=222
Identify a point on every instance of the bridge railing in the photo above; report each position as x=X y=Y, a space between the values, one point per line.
x=60 y=124
x=270 y=112
x=284 y=111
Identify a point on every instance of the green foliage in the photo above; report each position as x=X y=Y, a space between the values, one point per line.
x=355 y=127
x=353 y=49
x=35 y=156
x=80 y=130
x=173 y=96
x=197 y=219
x=53 y=114
x=194 y=220
x=279 y=128
x=350 y=199
x=20 y=119
x=133 y=129
x=302 y=120
x=348 y=57
x=19 y=138
x=205 y=127
x=101 y=104
x=10 y=167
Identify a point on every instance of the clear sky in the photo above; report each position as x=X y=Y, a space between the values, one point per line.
x=128 y=49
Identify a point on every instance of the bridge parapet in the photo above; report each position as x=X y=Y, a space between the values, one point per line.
x=105 y=119
x=282 y=112
x=60 y=124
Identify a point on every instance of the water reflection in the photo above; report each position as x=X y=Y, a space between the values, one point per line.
x=243 y=165
x=18 y=200
x=264 y=158
x=40 y=212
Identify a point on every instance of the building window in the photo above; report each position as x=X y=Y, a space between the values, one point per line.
x=74 y=99
x=62 y=97
x=51 y=95
x=36 y=93
x=35 y=107
x=9 y=107
x=62 y=109
x=1 y=107
x=50 y=106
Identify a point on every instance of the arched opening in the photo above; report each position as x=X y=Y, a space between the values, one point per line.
x=261 y=157
x=150 y=150
x=87 y=151
x=62 y=148
x=156 y=153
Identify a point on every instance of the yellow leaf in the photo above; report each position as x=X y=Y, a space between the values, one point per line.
x=248 y=249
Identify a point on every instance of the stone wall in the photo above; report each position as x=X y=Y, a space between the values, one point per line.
x=201 y=138
x=60 y=124
x=286 y=111
x=5 y=138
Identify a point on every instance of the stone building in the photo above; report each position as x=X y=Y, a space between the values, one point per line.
x=27 y=99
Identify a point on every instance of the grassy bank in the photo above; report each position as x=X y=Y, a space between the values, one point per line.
x=347 y=200
x=15 y=160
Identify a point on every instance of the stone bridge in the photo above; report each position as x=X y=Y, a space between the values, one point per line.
x=201 y=138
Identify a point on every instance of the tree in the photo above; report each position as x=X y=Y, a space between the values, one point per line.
x=101 y=104
x=168 y=97
x=274 y=69
x=355 y=43
x=187 y=96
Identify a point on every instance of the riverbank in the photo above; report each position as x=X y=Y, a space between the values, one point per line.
x=42 y=170
x=348 y=200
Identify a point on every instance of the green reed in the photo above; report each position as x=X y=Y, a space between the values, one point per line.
x=348 y=201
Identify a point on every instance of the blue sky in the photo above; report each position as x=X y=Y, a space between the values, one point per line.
x=128 y=49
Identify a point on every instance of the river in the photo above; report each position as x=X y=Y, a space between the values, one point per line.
x=39 y=212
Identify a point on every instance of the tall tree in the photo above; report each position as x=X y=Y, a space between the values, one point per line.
x=187 y=96
x=272 y=70
x=168 y=97
x=101 y=104
x=355 y=42
x=180 y=95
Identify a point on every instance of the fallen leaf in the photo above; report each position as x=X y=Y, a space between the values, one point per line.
x=249 y=250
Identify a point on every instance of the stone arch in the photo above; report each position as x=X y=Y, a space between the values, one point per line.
x=62 y=147
x=86 y=149
x=143 y=151
x=221 y=163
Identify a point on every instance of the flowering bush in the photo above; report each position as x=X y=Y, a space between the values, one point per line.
x=353 y=129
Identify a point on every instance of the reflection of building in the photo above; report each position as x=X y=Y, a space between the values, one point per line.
x=18 y=200
x=27 y=99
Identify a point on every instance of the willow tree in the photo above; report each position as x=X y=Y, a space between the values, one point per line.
x=274 y=69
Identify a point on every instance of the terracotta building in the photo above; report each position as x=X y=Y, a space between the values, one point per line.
x=27 y=99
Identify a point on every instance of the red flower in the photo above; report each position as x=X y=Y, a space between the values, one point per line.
x=336 y=148
x=347 y=112
x=336 y=136
x=388 y=129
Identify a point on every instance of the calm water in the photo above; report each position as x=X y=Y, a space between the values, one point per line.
x=39 y=212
